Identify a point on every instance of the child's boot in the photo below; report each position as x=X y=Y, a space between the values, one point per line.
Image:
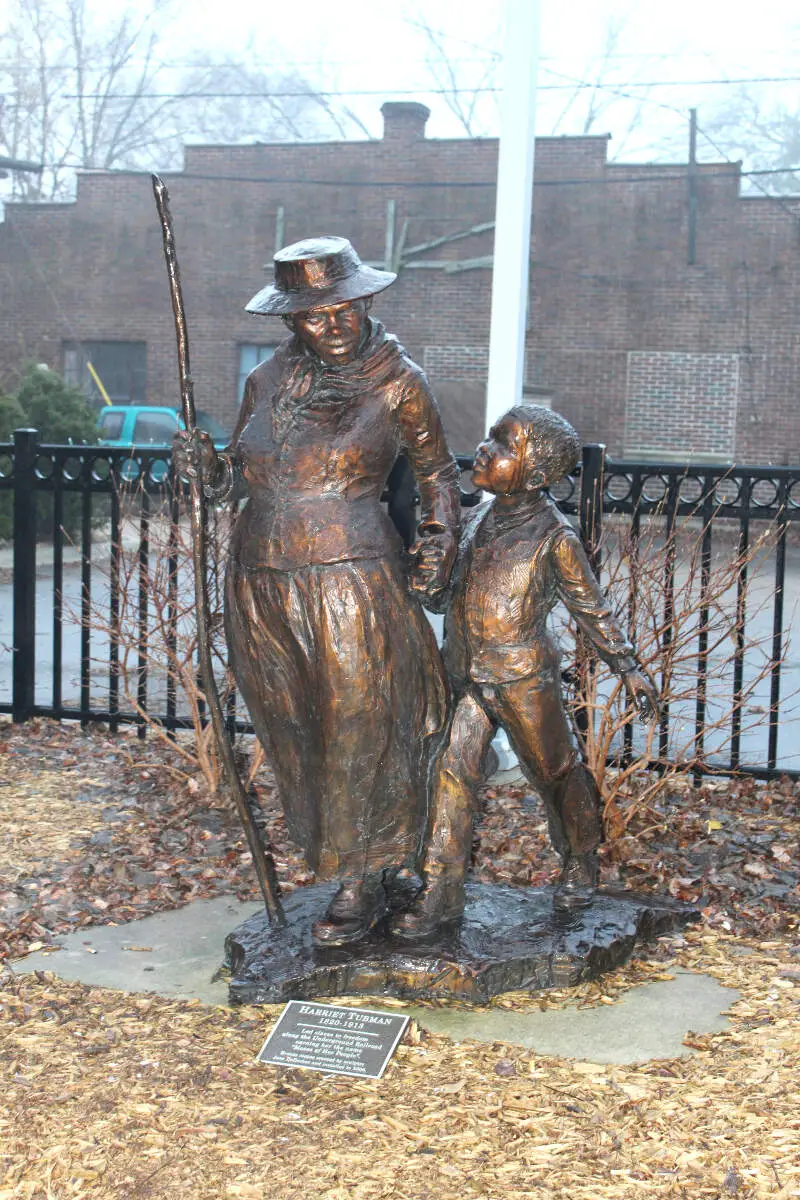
x=438 y=905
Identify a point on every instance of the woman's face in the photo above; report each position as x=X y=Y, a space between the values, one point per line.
x=333 y=333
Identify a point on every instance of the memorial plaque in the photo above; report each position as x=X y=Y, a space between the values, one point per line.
x=336 y=1040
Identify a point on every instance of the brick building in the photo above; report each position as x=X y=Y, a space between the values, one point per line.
x=637 y=347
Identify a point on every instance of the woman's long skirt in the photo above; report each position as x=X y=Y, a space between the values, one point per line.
x=344 y=683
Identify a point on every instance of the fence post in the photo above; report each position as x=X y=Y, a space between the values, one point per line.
x=24 y=652
x=591 y=526
x=593 y=462
x=402 y=495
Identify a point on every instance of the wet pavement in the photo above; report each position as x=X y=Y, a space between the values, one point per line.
x=178 y=954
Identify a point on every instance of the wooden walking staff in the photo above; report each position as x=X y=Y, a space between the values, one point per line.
x=264 y=864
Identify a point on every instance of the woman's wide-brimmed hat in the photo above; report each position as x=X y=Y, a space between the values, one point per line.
x=315 y=273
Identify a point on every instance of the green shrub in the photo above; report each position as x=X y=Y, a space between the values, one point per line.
x=11 y=417
x=43 y=401
x=60 y=412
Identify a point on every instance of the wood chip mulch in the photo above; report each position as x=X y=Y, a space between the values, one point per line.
x=110 y=1095
x=96 y=828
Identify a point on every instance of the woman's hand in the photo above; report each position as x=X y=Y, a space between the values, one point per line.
x=194 y=456
x=643 y=693
x=432 y=561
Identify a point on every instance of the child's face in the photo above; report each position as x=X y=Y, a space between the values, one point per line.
x=498 y=460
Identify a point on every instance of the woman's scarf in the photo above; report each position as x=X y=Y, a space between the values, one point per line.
x=308 y=385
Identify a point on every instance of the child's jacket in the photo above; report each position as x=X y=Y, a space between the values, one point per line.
x=511 y=570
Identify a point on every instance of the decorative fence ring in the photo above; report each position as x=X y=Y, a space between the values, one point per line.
x=619 y=488
x=654 y=489
x=764 y=493
x=44 y=466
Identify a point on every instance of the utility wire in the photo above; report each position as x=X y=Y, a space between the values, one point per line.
x=677 y=174
x=603 y=279
x=650 y=83
x=289 y=64
x=577 y=85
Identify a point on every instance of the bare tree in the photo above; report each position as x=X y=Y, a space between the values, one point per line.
x=463 y=84
x=154 y=626
x=762 y=133
x=81 y=91
x=224 y=100
x=594 y=92
x=687 y=618
x=77 y=91
x=470 y=86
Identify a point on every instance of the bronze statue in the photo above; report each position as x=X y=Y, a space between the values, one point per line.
x=329 y=646
x=518 y=556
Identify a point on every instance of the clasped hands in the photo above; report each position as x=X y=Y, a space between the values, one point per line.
x=432 y=558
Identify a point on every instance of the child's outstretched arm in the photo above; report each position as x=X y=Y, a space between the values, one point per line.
x=582 y=595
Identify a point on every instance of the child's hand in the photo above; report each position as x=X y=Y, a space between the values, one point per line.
x=643 y=693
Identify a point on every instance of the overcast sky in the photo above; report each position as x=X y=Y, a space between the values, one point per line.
x=374 y=46
x=636 y=66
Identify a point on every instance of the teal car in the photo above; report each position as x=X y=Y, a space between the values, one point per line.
x=149 y=427
x=146 y=425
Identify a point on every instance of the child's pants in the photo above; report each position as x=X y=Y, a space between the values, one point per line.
x=532 y=714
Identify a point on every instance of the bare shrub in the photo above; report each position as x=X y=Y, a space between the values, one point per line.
x=155 y=628
x=689 y=612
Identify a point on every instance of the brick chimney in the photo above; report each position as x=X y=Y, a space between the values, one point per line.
x=404 y=121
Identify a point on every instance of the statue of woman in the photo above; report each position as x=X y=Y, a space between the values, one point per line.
x=329 y=645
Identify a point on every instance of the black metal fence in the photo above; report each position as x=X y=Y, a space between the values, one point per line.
x=92 y=485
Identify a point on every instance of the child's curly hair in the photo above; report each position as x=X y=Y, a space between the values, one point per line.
x=552 y=446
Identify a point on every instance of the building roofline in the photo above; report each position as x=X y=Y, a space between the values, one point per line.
x=772 y=197
x=377 y=141
x=655 y=165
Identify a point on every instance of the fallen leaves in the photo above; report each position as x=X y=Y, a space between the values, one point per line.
x=89 y=835
x=38 y=822
x=119 y=1097
x=731 y=847
x=99 y=829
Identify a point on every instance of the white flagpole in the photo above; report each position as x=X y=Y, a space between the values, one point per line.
x=512 y=234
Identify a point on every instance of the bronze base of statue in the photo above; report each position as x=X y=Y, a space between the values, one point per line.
x=510 y=939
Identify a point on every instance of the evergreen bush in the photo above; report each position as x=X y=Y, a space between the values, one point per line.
x=60 y=413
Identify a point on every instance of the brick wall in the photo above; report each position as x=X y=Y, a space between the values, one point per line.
x=456 y=362
x=612 y=294
x=696 y=393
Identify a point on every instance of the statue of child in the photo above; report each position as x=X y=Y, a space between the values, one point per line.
x=518 y=557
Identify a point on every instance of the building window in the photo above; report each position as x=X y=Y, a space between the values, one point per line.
x=121 y=367
x=249 y=358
